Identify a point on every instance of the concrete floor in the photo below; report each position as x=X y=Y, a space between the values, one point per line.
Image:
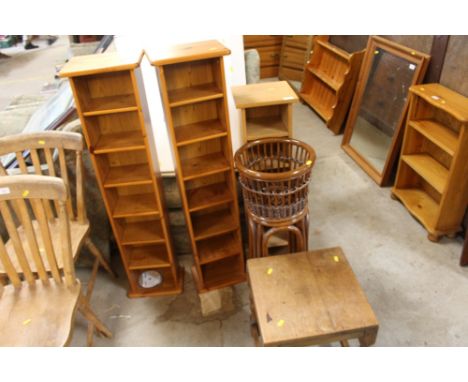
x=418 y=291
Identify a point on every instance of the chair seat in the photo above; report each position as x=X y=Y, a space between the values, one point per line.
x=41 y=315
x=78 y=232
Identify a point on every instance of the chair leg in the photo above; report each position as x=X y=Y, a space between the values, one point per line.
x=89 y=314
x=97 y=253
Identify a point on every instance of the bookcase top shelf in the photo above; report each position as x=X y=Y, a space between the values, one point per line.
x=187 y=52
x=439 y=96
x=100 y=63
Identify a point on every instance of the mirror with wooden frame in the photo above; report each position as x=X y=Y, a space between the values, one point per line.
x=373 y=131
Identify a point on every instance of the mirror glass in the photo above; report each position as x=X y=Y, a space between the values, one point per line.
x=381 y=108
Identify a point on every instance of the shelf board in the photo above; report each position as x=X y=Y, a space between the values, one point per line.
x=266 y=127
x=148 y=257
x=218 y=248
x=213 y=224
x=222 y=273
x=419 y=204
x=339 y=52
x=121 y=141
x=134 y=174
x=325 y=78
x=194 y=94
x=208 y=196
x=200 y=131
x=110 y=105
x=438 y=134
x=324 y=113
x=204 y=165
x=135 y=205
x=144 y=232
x=429 y=169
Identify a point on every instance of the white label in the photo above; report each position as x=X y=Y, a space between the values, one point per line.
x=412 y=66
x=4 y=190
x=288 y=97
x=435 y=97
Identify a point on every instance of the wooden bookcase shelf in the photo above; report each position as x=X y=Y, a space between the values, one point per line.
x=295 y=52
x=269 y=50
x=193 y=91
x=329 y=81
x=432 y=177
x=111 y=103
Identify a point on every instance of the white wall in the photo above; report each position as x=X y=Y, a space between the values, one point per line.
x=235 y=75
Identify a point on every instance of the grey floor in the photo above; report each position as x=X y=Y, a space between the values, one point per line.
x=417 y=289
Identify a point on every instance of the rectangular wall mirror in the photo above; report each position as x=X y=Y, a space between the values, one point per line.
x=373 y=131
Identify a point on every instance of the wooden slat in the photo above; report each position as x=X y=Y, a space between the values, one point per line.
x=38 y=171
x=14 y=237
x=8 y=266
x=67 y=257
x=429 y=169
x=80 y=203
x=51 y=168
x=39 y=212
x=21 y=162
x=32 y=241
x=64 y=176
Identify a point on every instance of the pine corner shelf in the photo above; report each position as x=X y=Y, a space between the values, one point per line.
x=111 y=103
x=432 y=177
x=193 y=90
x=329 y=81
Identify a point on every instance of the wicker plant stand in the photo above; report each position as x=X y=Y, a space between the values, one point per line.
x=274 y=174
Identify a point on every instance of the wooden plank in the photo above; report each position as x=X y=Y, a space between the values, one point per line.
x=429 y=169
x=263 y=94
x=438 y=51
x=438 y=134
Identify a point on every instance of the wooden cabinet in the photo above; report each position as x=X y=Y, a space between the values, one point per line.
x=193 y=91
x=295 y=53
x=266 y=109
x=329 y=81
x=111 y=103
x=432 y=178
x=269 y=49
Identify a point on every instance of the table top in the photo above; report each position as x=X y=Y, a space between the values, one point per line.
x=263 y=94
x=100 y=63
x=186 y=52
x=307 y=298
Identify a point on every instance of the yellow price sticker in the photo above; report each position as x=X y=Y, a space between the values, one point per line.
x=269 y=271
x=336 y=258
x=25 y=193
x=280 y=323
x=376 y=52
x=41 y=142
x=27 y=322
x=309 y=162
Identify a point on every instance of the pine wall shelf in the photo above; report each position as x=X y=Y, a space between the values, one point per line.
x=111 y=102
x=193 y=91
x=432 y=178
x=329 y=81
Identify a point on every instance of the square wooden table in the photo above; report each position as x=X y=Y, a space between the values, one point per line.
x=308 y=298
x=266 y=109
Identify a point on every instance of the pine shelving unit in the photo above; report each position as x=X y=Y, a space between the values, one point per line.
x=432 y=177
x=111 y=103
x=295 y=52
x=329 y=81
x=193 y=91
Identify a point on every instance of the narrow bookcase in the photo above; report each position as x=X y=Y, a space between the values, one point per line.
x=111 y=104
x=193 y=91
x=432 y=178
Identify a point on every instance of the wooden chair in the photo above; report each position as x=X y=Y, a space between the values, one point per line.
x=39 y=301
x=41 y=148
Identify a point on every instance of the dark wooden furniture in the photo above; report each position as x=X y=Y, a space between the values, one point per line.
x=432 y=178
x=193 y=91
x=308 y=298
x=329 y=81
x=464 y=255
x=374 y=127
x=274 y=174
x=269 y=49
x=111 y=102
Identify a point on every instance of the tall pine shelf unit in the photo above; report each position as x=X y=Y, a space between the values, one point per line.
x=111 y=104
x=193 y=91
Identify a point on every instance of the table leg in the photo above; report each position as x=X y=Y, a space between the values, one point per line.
x=369 y=337
x=464 y=255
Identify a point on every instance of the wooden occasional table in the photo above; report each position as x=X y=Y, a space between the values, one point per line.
x=266 y=109
x=308 y=298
